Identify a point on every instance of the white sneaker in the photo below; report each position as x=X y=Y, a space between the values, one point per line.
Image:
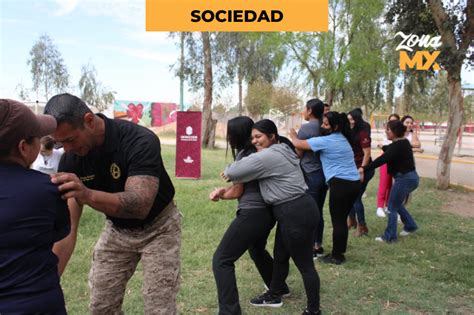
x=379 y=239
x=380 y=213
x=405 y=233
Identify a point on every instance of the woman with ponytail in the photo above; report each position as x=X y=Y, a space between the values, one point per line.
x=401 y=165
x=248 y=231
x=276 y=166
x=341 y=175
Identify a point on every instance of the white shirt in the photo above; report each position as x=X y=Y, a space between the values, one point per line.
x=48 y=164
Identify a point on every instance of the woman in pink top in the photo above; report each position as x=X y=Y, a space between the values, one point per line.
x=385 y=182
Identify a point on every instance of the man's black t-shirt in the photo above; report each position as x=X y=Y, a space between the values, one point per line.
x=128 y=150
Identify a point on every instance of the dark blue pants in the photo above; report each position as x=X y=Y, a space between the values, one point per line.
x=404 y=184
x=358 y=207
x=318 y=189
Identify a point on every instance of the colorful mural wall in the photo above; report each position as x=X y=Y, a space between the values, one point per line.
x=148 y=114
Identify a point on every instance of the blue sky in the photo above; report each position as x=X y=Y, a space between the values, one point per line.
x=110 y=34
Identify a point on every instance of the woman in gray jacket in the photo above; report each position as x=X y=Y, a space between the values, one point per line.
x=248 y=231
x=276 y=167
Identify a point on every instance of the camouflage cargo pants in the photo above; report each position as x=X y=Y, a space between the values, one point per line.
x=117 y=254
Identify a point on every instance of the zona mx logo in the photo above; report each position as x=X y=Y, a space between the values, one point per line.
x=423 y=59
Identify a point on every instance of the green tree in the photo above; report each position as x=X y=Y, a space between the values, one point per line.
x=92 y=91
x=344 y=64
x=258 y=98
x=49 y=73
x=454 y=22
x=285 y=99
x=196 y=67
x=248 y=57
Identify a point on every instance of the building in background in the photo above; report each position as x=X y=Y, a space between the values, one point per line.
x=147 y=114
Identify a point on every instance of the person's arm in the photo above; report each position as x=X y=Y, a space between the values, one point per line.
x=365 y=143
x=366 y=158
x=415 y=140
x=231 y=192
x=247 y=169
x=134 y=202
x=388 y=155
x=64 y=248
x=299 y=144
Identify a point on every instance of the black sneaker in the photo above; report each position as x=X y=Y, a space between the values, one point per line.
x=285 y=294
x=318 y=252
x=267 y=299
x=308 y=312
x=333 y=259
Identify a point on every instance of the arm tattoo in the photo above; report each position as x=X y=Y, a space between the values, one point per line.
x=138 y=197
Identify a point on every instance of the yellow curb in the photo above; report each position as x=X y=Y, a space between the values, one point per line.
x=433 y=157
x=467 y=188
x=454 y=160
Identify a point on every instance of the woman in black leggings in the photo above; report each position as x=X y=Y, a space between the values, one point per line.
x=341 y=174
x=250 y=228
x=276 y=167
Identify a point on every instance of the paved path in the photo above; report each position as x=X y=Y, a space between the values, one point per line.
x=462 y=168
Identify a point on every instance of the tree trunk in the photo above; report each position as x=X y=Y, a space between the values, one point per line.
x=455 y=103
x=330 y=96
x=240 y=79
x=207 y=122
x=455 y=97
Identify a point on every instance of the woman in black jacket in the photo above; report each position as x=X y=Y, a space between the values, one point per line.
x=401 y=165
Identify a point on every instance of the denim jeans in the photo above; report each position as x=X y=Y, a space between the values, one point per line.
x=404 y=184
x=358 y=207
x=318 y=189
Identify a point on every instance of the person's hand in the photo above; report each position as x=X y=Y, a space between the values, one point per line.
x=224 y=177
x=361 y=174
x=216 y=194
x=70 y=186
x=292 y=134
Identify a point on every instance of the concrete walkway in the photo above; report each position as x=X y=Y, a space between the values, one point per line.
x=462 y=167
x=462 y=170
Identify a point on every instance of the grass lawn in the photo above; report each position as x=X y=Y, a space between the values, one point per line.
x=428 y=272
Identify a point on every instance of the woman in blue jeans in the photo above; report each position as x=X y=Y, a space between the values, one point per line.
x=360 y=142
x=401 y=165
x=248 y=231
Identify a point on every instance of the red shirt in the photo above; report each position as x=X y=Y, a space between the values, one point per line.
x=361 y=141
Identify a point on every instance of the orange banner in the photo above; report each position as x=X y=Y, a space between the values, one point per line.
x=237 y=15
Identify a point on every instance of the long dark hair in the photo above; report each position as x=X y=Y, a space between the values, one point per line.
x=358 y=124
x=339 y=123
x=239 y=132
x=397 y=127
x=316 y=106
x=268 y=127
x=393 y=115
x=408 y=117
